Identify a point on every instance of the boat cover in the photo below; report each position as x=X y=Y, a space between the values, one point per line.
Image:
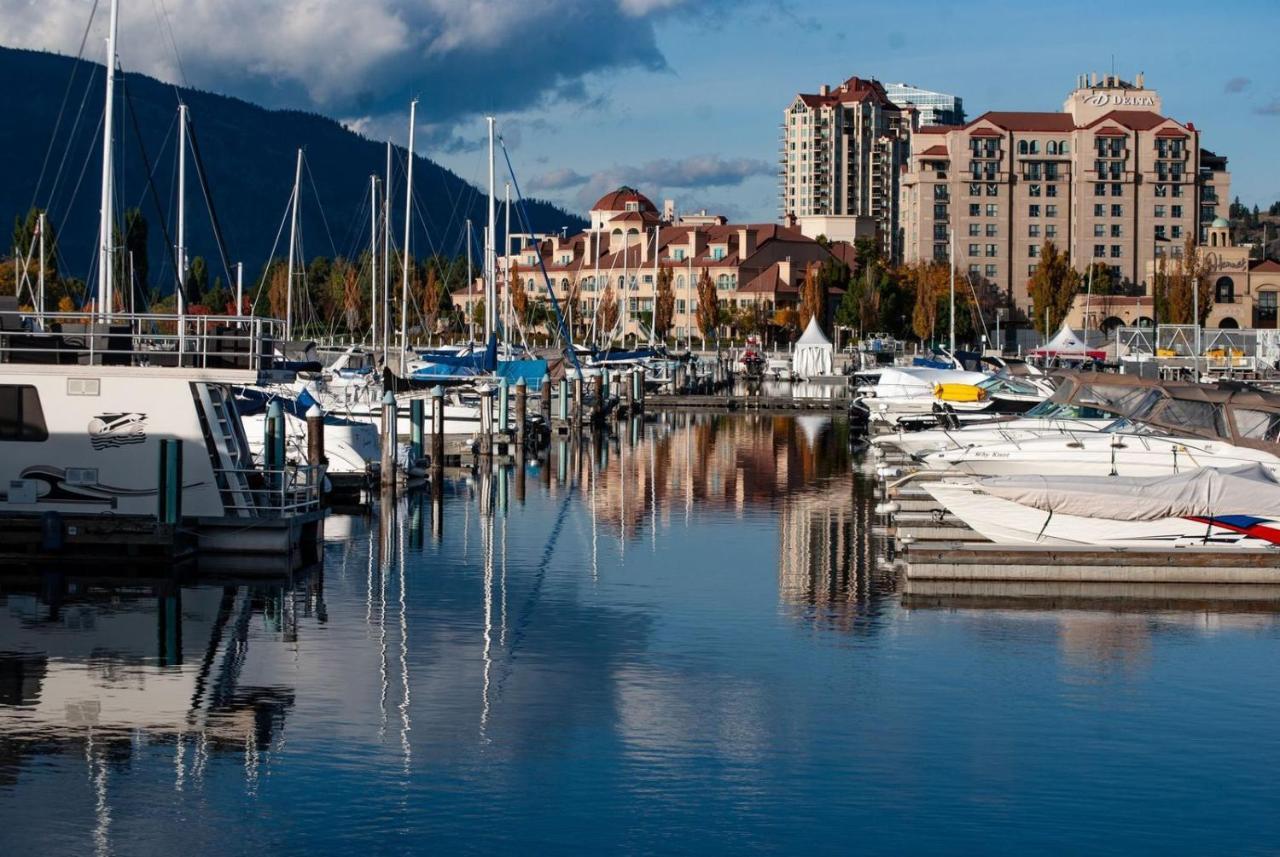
x=814 y=356
x=531 y=371
x=1250 y=490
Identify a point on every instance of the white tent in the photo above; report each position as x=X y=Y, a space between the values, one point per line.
x=814 y=356
x=1069 y=345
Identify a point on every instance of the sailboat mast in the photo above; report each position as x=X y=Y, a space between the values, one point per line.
x=506 y=265
x=408 y=209
x=471 y=290
x=293 y=243
x=182 y=212
x=108 y=124
x=40 y=299
x=490 y=292
x=373 y=258
x=386 y=257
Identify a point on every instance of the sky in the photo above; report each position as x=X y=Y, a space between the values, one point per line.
x=680 y=98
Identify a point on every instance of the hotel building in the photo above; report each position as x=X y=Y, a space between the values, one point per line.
x=934 y=108
x=1108 y=179
x=628 y=242
x=842 y=154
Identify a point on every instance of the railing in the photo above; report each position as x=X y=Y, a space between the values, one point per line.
x=291 y=490
x=1222 y=350
x=140 y=339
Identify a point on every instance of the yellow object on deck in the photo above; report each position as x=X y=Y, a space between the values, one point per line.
x=958 y=393
x=1166 y=352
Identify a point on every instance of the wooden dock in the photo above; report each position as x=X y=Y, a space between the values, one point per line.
x=774 y=404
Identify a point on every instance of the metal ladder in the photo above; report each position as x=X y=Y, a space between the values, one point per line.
x=230 y=452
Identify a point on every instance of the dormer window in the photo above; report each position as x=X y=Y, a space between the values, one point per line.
x=678 y=253
x=717 y=253
x=633 y=206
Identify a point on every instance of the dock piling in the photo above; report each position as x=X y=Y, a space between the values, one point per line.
x=577 y=399
x=544 y=396
x=522 y=406
x=597 y=395
x=417 y=417
x=315 y=436
x=437 y=429
x=486 y=421
x=389 y=417
x=504 y=408
x=169 y=485
x=562 y=400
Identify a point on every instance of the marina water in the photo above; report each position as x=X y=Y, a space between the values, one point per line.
x=687 y=638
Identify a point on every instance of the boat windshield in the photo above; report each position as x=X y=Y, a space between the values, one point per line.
x=996 y=384
x=1117 y=399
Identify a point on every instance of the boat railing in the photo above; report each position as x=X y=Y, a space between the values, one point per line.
x=140 y=339
x=290 y=490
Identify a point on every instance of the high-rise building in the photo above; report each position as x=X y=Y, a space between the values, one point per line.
x=934 y=108
x=842 y=152
x=1108 y=179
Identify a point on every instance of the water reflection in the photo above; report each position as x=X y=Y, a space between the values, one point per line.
x=683 y=634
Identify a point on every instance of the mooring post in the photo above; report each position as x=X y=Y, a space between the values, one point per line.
x=169 y=493
x=389 y=417
x=437 y=428
x=504 y=408
x=522 y=409
x=417 y=417
x=577 y=400
x=629 y=390
x=644 y=374
x=273 y=449
x=544 y=397
x=597 y=394
x=315 y=436
x=486 y=421
x=562 y=400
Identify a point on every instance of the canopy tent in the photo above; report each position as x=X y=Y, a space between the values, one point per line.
x=1069 y=345
x=814 y=357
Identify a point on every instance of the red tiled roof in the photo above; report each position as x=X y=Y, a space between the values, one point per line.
x=1110 y=131
x=853 y=90
x=1027 y=121
x=986 y=132
x=1171 y=132
x=937 y=129
x=935 y=150
x=618 y=199
x=1134 y=120
x=768 y=281
x=1265 y=266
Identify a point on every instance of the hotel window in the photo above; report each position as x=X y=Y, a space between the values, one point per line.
x=633 y=305
x=679 y=254
x=940 y=232
x=1033 y=211
x=1117 y=190
x=1176 y=231
x=1051 y=148
x=1051 y=172
x=1033 y=251
x=1031 y=270
x=975 y=250
x=975 y=270
x=991 y=249
x=993 y=189
x=1117 y=211
x=1115 y=230
x=680 y=306
x=679 y=282
x=1159 y=211
x=1099 y=251
x=1267 y=306
x=1050 y=231
x=1160 y=236
x=1099 y=189
x=1115 y=251
x=1022 y=147
x=1033 y=190
x=939 y=252
x=974 y=230
x=989 y=271
x=1051 y=190
x=1099 y=230
x=1175 y=210
x=975 y=188
x=1051 y=211
x=1162 y=190
x=1099 y=210
x=975 y=209
x=993 y=210
x=991 y=230
x=1033 y=231
x=940 y=193
x=1177 y=190
x=940 y=211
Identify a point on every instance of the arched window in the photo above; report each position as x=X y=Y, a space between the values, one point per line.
x=1063 y=148
x=1035 y=147
x=1229 y=323
x=531 y=284
x=680 y=282
x=722 y=283
x=1022 y=147
x=1052 y=148
x=622 y=283
x=1225 y=291
x=616 y=231
x=564 y=285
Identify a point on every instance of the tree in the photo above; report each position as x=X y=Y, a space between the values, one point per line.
x=477 y=314
x=708 y=305
x=930 y=282
x=664 y=305
x=812 y=296
x=849 y=312
x=431 y=299
x=135 y=250
x=1053 y=288
x=1180 y=286
x=519 y=297
x=197 y=282
x=607 y=313
x=278 y=289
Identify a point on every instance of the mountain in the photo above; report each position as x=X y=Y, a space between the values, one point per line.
x=249 y=157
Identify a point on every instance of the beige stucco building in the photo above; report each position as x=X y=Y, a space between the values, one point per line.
x=628 y=242
x=1109 y=179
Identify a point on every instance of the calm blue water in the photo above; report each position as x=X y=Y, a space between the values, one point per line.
x=687 y=644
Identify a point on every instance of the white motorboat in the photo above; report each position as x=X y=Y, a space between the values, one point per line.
x=1231 y=508
x=352 y=449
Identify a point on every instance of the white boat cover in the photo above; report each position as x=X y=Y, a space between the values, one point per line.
x=814 y=356
x=1209 y=492
x=920 y=381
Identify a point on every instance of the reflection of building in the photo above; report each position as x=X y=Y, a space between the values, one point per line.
x=1109 y=179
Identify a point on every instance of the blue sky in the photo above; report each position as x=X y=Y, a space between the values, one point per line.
x=681 y=97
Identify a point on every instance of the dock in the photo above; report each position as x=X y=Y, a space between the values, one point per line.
x=743 y=402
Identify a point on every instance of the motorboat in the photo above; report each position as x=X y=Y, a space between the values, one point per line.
x=352 y=448
x=923 y=395
x=1173 y=428
x=1228 y=508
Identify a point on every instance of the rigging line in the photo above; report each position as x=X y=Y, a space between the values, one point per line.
x=194 y=141
x=155 y=196
x=71 y=135
x=555 y=303
x=315 y=191
x=266 y=266
x=76 y=192
x=167 y=29
x=66 y=93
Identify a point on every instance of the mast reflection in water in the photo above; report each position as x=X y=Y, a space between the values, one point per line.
x=684 y=636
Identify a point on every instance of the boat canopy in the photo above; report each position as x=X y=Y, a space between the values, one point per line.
x=1249 y=491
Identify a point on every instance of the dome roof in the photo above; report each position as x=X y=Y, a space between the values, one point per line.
x=1221 y=223
x=618 y=199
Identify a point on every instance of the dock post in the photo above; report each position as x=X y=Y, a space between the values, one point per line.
x=504 y=408
x=169 y=485
x=486 y=421
x=577 y=400
x=544 y=394
x=562 y=400
x=597 y=394
x=522 y=406
x=644 y=377
x=389 y=417
x=629 y=390
x=315 y=436
x=677 y=379
x=417 y=417
x=437 y=428
x=606 y=381
x=273 y=448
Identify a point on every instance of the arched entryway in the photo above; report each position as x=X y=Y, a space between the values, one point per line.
x=1229 y=323
x=1110 y=323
